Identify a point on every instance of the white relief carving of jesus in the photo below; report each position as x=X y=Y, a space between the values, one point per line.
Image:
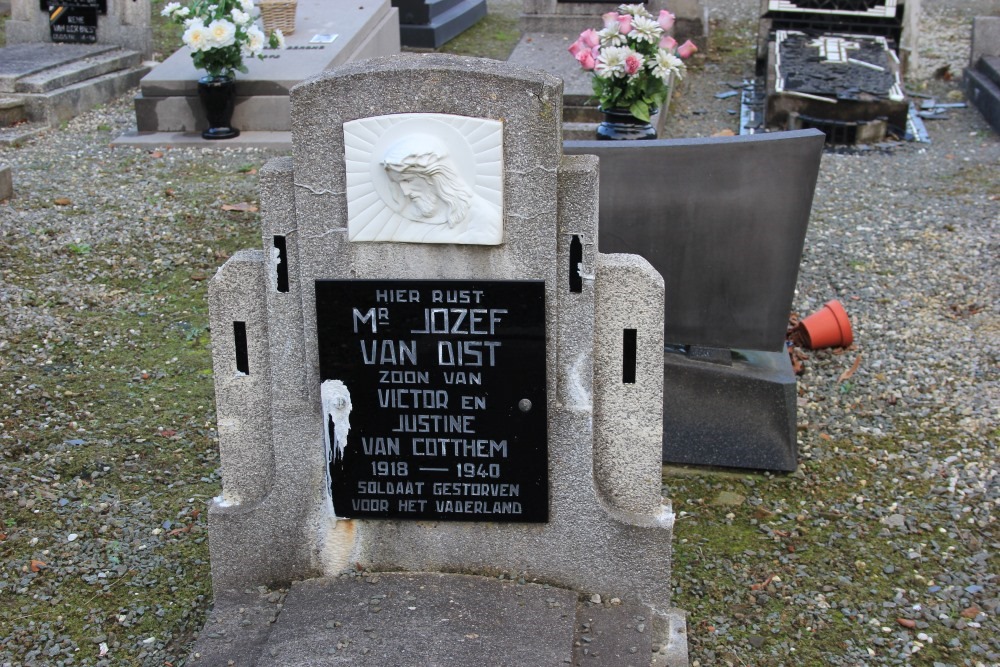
x=424 y=178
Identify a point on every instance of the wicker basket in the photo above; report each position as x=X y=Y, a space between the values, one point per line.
x=278 y=15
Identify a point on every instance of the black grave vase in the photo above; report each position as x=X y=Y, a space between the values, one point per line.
x=620 y=125
x=217 y=95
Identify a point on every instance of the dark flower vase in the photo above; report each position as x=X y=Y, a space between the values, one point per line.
x=217 y=95
x=620 y=125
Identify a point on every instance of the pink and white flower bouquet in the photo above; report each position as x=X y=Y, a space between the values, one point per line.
x=633 y=58
x=221 y=33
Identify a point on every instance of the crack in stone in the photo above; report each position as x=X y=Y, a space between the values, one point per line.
x=316 y=191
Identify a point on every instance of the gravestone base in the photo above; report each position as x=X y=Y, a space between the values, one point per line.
x=738 y=416
x=427 y=24
x=51 y=83
x=167 y=107
x=982 y=88
x=435 y=619
x=982 y=76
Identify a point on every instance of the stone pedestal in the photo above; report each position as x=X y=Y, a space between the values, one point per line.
x=327 y=33
x=428 y=24
x=740 y=415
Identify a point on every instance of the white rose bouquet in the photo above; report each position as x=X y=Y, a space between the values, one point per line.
x=633 y=59
x=221 y=33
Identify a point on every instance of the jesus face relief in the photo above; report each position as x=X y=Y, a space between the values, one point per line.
x=424 y=198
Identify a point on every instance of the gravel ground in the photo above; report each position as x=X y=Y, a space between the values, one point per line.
x=880 y=550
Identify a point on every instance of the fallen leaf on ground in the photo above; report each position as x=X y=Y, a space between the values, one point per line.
x=168 y=432
x=971 y=612
x=907 y=622
x=851 y=371
x=37 y=565
x=156 y=154
x=242 y=207
x=198 y=276
x=62 y=201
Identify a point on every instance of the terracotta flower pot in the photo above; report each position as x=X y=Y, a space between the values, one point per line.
x=827 y=327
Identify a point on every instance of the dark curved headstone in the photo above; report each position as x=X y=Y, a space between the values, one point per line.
x=722 y=219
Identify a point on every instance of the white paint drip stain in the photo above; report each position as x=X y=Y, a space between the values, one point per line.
x=336 y=406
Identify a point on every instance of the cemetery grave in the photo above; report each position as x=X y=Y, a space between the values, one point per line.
x=834 y=65
x=57 y=64
x=748 y=546
x=370 y=415
x=328 y=33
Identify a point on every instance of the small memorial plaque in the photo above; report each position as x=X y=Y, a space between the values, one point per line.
x=435 y=398
x=73 y=24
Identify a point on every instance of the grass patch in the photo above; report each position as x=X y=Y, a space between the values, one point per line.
x=107 y=439
x=824 y=562
x=495 y=36
x=166 y=34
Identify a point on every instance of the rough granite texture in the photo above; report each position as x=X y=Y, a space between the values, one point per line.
x=448 y=620
x=589 y=545
x=628 y=416
x=733 y=416
x=244 y=422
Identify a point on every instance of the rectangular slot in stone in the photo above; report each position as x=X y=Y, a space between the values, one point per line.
x=281 y=266
x=242 y=356
x=629 y=343
x=575 y=260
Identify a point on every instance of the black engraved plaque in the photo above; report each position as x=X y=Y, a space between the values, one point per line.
x=73 y=24
x=447 y=398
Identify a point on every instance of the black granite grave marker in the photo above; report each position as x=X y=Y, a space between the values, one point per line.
x=75 y=24
x=448 y=398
